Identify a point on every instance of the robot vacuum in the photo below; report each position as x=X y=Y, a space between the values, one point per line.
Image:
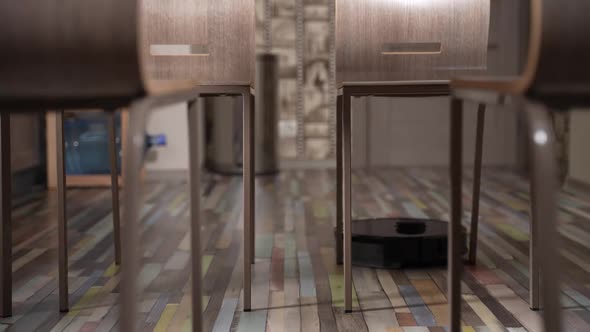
x=400 y=242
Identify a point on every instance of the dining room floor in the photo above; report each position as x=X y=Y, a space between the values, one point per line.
x=297 y=285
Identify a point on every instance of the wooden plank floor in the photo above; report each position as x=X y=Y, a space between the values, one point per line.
x=296 y=284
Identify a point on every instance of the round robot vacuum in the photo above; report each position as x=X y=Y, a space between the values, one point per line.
x=400 y=242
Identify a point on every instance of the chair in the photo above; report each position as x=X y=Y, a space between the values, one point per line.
x=399 y=48
x=219 y=49
x=34 y=79
x=73 y=55
x=556 y=78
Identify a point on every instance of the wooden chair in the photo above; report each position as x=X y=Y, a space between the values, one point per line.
x=213 y=40
x=73 y=55
x=401 y=48
x=556 y=78
x=40 y=73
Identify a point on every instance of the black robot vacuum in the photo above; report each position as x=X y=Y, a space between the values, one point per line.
x=400 y=242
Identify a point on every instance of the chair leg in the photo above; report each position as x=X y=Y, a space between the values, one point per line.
x=132 y=165
x=248 y=150
x=61 y=214
x=339 y=248
x=115 y=185
x=253 y=219
x=455 y=261
x=543 y=174
x=6 y=215
x=476 y=184
x=347 y=200
x=195 y=195
x=534 y=272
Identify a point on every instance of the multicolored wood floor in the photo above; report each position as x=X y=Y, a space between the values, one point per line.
x=297 y=285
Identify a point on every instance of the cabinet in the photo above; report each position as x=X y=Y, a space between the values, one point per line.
x=79 y=175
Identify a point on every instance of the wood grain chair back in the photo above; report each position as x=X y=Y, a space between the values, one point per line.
x=558 y=66
x=393 y=40
x=69 y=50
x=212 y=40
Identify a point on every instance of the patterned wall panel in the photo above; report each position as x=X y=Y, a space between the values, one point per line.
x=300 y=35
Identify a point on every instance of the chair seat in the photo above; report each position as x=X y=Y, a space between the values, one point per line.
x=159 y=87
x=492 y=90
x=502 y=84
x=393 y=83
x=397 y=88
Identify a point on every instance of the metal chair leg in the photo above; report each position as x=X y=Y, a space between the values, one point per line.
x=534 y=272
x=115 y=185
x=543 y=174
x=476 y=184
x=347 y=208
x=6 y=215
x=195 y=210
x=61 y=214
x=455 y=261
x=248 y=138
x=132 y=165
x=339 y=247
x=253 y=219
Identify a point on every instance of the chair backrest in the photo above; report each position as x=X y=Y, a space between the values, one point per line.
x=211 y=41
x=56 y=50
x=559 y=52
x=392 y=40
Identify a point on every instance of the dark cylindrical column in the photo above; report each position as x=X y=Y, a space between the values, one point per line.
x=267 y=91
